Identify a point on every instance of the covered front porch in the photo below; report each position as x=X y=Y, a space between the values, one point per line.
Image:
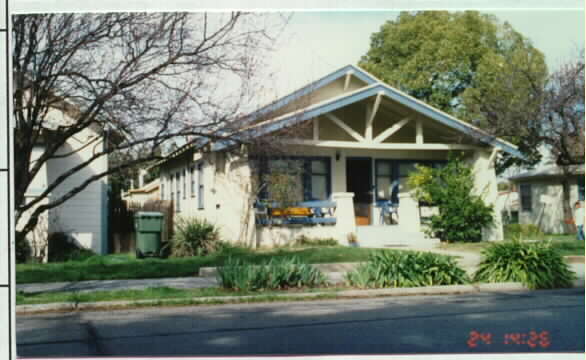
x=357 y=147
x=364 y=192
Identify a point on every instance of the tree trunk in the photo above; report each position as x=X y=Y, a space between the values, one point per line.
x=569 y=226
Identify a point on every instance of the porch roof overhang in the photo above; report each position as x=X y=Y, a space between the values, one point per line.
x=374 y=89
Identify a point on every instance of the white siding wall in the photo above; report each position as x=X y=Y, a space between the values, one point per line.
x=38 y=237
x=82 y=215
x=548 y=216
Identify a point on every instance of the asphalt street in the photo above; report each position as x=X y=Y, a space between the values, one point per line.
x=536 y=321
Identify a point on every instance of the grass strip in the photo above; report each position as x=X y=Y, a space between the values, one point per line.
x=156 y=293
x=126 y=266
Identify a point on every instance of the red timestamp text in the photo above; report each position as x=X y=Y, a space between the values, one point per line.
x=532 y=339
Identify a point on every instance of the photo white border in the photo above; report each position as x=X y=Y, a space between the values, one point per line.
x=44 y=6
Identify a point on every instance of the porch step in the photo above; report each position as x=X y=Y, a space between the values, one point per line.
x=392 y=236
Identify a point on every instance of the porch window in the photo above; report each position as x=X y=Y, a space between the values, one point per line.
x=319 y=179
x=581 y=189
x=526 y=198
x=384 y=179
x=313 y=174
x=390 y=172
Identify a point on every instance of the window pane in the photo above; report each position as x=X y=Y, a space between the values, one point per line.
x=406 y=168
x=318 y=167
x=383 y=168
x=319 y=187
x=383 y=187
x=526 y=199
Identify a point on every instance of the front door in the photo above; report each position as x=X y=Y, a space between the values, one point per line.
x=359 y=182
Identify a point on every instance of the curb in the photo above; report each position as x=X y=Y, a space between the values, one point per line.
x=429 y=290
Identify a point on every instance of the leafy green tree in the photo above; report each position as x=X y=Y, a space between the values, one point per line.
x=467 y=64
x=462 y=214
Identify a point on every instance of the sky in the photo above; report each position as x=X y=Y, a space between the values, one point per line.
x=315 y=43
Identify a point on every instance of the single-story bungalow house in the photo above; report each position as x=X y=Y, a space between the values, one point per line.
x=84 y=217
x=541 y=196
x=355 y=138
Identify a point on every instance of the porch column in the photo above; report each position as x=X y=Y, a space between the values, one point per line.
x=485 y=186
x=409 y=213
x=345 y=220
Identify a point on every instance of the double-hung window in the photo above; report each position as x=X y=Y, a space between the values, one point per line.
x=384 y=180
x=192 y=179
x=391 y=176
x=172 y=187
x=177 y=192
x=184 y=178
x=200 y=188
x=320 y=177
x=526 y=198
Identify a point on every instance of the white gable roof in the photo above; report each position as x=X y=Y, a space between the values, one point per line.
x=374 y=88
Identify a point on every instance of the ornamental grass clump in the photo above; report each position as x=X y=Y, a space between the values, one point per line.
x=407 y=269
x=536 y=265
x=194 y=237
x=277 y=273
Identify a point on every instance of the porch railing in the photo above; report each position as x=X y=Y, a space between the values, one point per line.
x=303 y=213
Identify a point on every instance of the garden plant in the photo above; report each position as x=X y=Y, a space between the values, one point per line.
x=537 y=265
x=407 y=269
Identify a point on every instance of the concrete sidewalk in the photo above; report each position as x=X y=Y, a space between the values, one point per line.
x=132 y=284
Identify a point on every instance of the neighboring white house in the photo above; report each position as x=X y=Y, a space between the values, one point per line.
x=541 y=196
x=144 y=191
x=355 y=136
x=84 y=216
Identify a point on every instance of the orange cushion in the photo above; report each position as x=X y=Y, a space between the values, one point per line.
x=291 y=211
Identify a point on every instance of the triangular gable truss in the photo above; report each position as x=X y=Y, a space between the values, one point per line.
x=377 y=90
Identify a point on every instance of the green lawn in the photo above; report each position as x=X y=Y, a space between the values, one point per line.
x=566 y=244
x=123 y=266
x=159 y=293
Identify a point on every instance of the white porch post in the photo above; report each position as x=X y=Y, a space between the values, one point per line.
x=485 y=186
x=345 y=219
x=409 y=213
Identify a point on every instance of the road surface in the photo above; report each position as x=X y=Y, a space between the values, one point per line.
x=486 y=322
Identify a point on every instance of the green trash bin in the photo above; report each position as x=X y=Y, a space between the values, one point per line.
x=149 y=228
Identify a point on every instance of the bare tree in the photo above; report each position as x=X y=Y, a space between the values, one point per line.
x=563 y=123
x=141 y=79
